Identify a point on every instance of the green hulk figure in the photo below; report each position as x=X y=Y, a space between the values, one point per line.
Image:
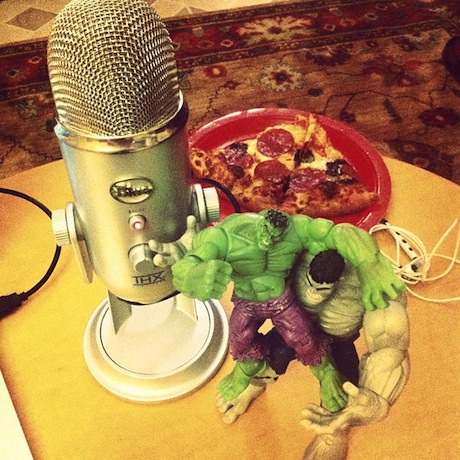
x=257 y=253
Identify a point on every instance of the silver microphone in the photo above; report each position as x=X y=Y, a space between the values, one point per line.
x=122 y=131
x=121 y=125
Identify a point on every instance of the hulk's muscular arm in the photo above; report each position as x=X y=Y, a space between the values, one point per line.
x=375 y=273
x=378 y=281
x=202 y=273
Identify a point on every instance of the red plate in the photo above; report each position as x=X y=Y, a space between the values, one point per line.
x=358 y=151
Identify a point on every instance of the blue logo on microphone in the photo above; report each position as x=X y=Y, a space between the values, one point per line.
x=131 y=190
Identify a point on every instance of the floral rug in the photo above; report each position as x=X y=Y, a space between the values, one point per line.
x=375 y=65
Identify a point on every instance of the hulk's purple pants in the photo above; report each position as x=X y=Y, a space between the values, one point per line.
x=288 y=318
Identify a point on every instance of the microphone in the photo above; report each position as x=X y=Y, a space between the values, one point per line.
x=121 y=126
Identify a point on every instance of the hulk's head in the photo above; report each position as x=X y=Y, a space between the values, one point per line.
x=270 y=229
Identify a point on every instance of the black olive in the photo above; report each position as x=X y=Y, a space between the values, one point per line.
x=238 y=147
x=334 y=168
x=330 y=189
x=303 y=155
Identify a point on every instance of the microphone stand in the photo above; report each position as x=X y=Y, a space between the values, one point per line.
x=161 y=351
x=155 y=352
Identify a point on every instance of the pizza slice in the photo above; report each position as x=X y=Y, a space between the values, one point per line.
x=292 y=167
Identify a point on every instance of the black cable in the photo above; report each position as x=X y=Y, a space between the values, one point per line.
x=225 y=190
x=10 y=303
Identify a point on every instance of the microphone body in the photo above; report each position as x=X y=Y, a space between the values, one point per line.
x=122 y=132
x=128 y=191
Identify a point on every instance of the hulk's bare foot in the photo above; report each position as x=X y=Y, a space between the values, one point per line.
x=231 y=410
x=333 y=396
x=238 y=380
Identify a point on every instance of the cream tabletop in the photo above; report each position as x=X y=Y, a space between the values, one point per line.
x=66 y=414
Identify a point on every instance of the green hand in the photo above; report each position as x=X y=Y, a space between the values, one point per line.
x=378 y=283
x=202 y=280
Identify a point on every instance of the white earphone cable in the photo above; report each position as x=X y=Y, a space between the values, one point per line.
x=417 y=269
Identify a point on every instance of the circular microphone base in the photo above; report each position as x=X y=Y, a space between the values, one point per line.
x=159 y=353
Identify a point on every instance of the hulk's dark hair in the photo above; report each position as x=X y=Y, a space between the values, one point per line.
x=277 y=219
x=327 y=266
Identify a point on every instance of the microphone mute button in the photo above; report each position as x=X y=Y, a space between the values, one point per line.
x=137 y=222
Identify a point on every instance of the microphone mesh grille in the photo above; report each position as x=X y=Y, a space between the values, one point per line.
x=112 y=68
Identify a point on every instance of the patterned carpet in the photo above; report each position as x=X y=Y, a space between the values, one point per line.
x=375 y=65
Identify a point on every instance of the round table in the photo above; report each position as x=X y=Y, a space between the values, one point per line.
x=65 y=413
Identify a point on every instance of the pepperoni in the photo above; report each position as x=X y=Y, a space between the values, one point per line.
x=305 y=179
x=274 y=142
x=272 y=170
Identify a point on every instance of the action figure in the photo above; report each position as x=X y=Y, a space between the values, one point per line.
x=383 y=370
x=258 y=252
x=330 y=291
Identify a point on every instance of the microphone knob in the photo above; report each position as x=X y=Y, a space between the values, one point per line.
x=60 y=227
x=211 y=199
x=66 y=229
x=205 y=204
x=141 y=256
